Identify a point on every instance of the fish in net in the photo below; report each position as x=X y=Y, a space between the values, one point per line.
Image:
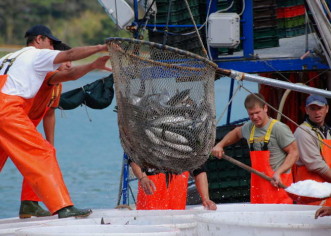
x=166 y=107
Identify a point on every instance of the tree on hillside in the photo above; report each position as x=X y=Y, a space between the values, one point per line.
x=77 y=22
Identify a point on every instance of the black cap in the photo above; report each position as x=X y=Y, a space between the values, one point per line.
x=41 y=30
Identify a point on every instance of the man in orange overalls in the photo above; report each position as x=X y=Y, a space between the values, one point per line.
x=154 y=193
x=314 y=142
x=273 y=150
x=43 y=108
x=21 y=76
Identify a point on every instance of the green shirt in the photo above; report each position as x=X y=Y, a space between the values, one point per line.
x=281 y=137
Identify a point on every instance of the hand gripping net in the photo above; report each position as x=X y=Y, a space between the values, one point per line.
x=166 y=109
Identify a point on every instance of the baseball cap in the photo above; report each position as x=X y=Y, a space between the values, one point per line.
x=317 y=100
x=41 y=30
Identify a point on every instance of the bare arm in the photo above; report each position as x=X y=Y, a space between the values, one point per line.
x=147 y=184
x=291 y=157
x=78 y=53
x=201 y=183
x=326 y=175
x=49 y=125
x=230 y=138
x=77 y=72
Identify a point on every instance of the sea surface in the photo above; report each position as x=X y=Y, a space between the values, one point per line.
x=89 y=150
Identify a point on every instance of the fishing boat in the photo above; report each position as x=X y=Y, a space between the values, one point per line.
x=278 y=45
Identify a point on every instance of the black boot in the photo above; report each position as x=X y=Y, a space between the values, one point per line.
x=73 y=211
x=32 y=208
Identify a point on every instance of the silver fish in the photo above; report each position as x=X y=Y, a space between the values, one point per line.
x=179 y=98
x=178 y=147
x=152 y=137
x=169 y=136
x=170 y=119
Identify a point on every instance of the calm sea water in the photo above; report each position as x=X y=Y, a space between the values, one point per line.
x=89 y=150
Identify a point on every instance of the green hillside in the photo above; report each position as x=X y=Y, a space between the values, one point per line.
x=76 y=22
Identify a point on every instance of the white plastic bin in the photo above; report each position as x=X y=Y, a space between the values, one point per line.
x=98 y=230
x=271 y=223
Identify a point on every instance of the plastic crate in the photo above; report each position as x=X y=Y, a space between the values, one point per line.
x=291 y=22
x=266 y=42
x=286 y=12
x=264 y=3
x=228 y=182
x=176 y=16
x=176 y=2
x=289 y=3
x=265 y=33
x=264 y=12
x=292 y=32
x=265 y=22
x=163 y=5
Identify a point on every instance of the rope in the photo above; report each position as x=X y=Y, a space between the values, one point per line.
x=230 y=101
x=196 y=29
x=166 y=29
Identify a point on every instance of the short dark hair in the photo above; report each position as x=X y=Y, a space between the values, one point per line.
x=31 y=38
x=61 y=47
x=254 y=99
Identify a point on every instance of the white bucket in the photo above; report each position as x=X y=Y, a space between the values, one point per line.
x=98 y=230
x=271 y=223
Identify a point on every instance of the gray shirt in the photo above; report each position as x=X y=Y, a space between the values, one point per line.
x=309 y=149
x=281 y=136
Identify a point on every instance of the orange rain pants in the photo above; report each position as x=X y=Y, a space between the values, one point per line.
x=262 y=191
x=302 y=173
x=30 y=152
x=27 y=193
x=172 y=197
x=48 y=96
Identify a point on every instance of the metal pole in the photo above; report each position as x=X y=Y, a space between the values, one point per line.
x=275 y=83
x=125 y=179
x=228 y=118
x=248 y=29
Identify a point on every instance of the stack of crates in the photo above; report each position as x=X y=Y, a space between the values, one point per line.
x=265 y=24
x=227 y=182
x=291 y=18
x=179 y=37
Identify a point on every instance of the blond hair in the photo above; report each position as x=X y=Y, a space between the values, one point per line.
x=254 y=99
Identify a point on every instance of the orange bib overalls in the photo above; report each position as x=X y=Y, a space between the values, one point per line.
x=261 y=190
x=171 y=197
x=302 y=173
x=30 y=152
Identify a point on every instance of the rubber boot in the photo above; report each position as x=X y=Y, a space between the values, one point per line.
x=32 y=208
x=72 y=211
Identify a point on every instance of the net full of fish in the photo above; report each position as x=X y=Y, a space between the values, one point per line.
x=166 y=109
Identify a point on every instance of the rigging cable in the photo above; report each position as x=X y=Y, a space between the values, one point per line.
x=196 y=29
x=230 y=101
x=165 y=36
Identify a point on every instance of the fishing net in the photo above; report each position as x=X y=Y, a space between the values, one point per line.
x=166 y=109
